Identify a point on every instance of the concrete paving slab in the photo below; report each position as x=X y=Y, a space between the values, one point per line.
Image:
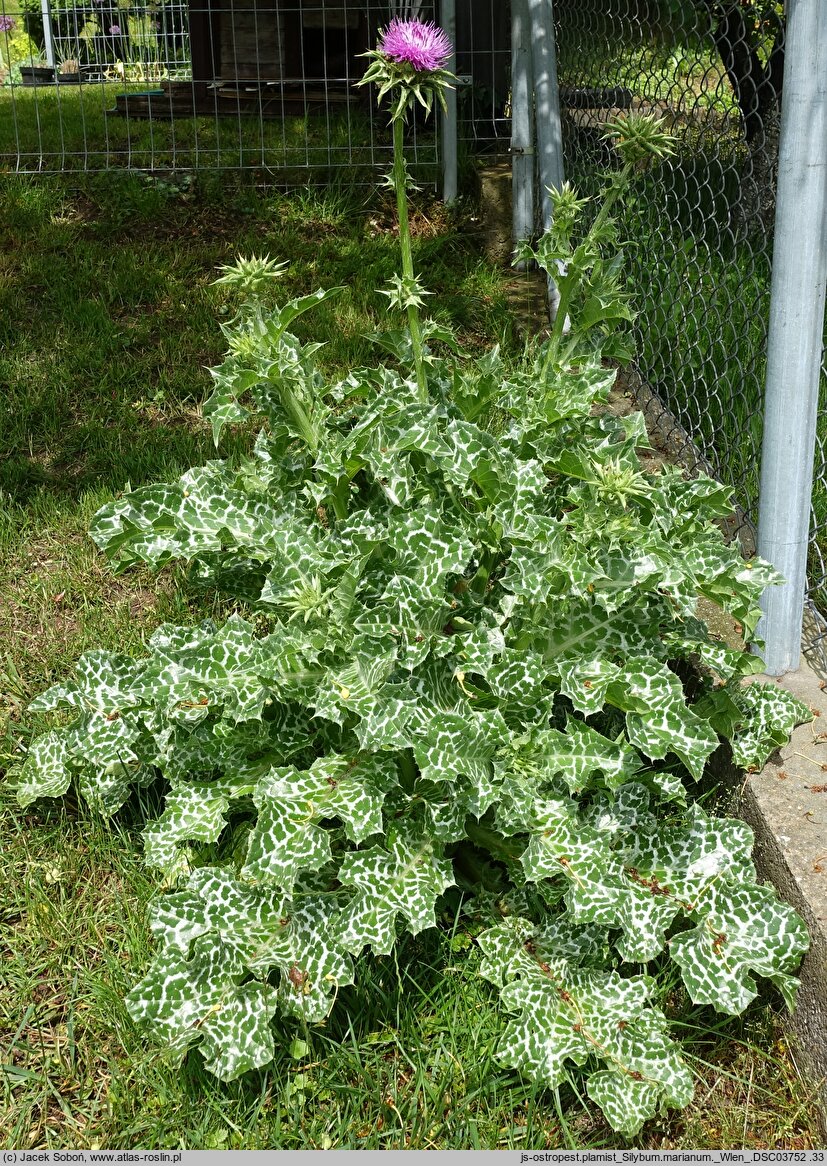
x=786 y=806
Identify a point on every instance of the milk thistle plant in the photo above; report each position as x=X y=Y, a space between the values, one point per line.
x=464 y=680
x=409 y=65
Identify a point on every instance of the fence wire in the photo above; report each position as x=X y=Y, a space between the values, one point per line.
x=815 y=623
x=221 y=84
x=698 y=228
x=271 y=85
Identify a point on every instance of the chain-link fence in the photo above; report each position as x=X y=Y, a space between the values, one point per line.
x=817 y=579
x=699 y=228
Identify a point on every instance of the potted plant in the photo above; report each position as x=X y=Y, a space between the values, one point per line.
x=36 y=70
x=68 y=71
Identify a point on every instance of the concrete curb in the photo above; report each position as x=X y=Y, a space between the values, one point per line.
x=786 y=806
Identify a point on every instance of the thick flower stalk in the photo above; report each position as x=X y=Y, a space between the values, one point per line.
x=409 y=64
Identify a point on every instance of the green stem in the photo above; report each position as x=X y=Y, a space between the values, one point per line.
x=570 y=284
x=338 y=497
x=489 y=560
x=400 y=186
x=488 y=840
x=619 y=185
x=567 y=288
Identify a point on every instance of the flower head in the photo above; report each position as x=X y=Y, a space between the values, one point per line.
x=418 y=43
x=639 y=138
x=409 y=63
x=115 y=30
x=6 y=24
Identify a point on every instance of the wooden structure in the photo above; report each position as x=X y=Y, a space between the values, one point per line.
x=277 y=42
x=275 y=57
x=268 y=57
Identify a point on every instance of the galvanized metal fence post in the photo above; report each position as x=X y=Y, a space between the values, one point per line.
x=522 y=122
x=546 y=117
x=546 y=102
x=448 y=20
x=796 y=331
x=48 y=38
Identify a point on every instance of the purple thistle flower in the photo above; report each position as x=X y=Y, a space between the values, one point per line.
x=418 y=43
x=115 y=30
x=6 y=24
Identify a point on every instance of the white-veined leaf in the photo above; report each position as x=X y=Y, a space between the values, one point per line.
x=406 y=879
x=568 y=1012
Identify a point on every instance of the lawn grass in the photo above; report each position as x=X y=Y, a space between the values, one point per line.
x=107 y=319
x=46 y=129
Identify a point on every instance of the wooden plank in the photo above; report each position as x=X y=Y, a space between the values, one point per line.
x=181 y=99
x=205 y=39
x=251 y=41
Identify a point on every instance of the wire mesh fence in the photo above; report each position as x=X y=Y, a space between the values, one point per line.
x=272 y=85
x=699 y=228
x=226 y=84
x=815 y=625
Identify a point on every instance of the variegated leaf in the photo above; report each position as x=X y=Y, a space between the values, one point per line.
x=104 y=682
x=576 y=755
x=46 y=772
x=263 y=930
x=658 y=720
x=405 y=879
x=193 y=812
x=586 y=681
x=457 y=743
x=744 y=930
x=428 y=547
x=288 y=836
x=202 y=1000
x=567 y=1012
x=768 y=716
